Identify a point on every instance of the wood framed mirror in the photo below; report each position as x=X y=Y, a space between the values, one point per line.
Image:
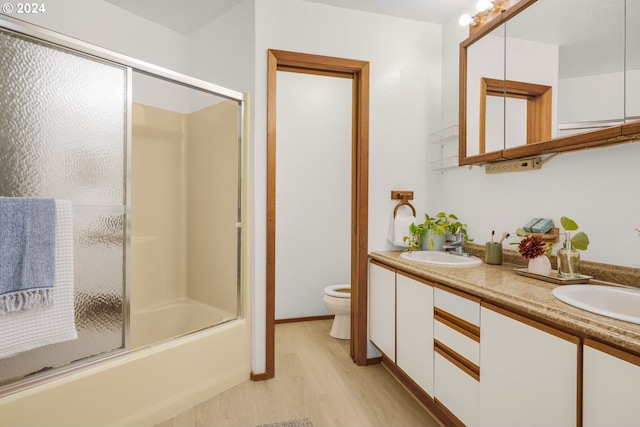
x=575 y=49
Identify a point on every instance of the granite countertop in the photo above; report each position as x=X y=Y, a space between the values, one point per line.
x=501 y=285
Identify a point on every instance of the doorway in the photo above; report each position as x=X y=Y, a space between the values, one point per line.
x=358 y=72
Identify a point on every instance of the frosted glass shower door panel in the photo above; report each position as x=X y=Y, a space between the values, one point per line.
x=62 y=123
x=63 y=135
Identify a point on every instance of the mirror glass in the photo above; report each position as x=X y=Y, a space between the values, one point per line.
x=633 y=61
x=576 y=47
x=571 y=79
x=485 y=102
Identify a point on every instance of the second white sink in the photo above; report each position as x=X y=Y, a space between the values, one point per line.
x=610 y=301
x=441 y=258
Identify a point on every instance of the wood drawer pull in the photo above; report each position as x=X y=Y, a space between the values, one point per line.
x=465 y=365
x=454 y=322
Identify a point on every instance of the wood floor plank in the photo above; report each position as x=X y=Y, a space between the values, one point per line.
x=315 y=379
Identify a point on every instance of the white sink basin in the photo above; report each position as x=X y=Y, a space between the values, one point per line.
x=442 y=258
x=610 y=301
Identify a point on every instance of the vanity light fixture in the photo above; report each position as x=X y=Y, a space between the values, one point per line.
x=467 y=20
x=483 y=7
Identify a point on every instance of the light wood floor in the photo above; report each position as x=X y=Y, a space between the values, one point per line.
x=315 y=379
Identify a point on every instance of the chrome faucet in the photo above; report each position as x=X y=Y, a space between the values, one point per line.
x=456 y=246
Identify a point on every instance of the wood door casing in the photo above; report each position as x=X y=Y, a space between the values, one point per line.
x=358 y=71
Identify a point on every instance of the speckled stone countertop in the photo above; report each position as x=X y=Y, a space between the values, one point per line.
x=501 y=285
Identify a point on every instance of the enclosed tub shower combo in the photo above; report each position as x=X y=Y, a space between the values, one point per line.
x=144 y=170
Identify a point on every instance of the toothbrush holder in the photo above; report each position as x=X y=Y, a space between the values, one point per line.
x=493 y=253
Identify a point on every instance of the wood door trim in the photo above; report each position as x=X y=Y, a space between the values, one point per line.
x=358 y=71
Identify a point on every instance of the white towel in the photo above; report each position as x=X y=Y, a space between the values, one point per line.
x=400 y=227
x=26 y=330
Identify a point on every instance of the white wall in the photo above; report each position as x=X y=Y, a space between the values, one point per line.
x=533 y=62
x=486 y=59
x=222 y=52
x=594 y=187
x=597 y=97
x=313 y=191
x=633 y=86
x=404 y=107
x=108 y=26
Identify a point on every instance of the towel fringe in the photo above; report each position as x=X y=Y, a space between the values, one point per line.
x=26 y=300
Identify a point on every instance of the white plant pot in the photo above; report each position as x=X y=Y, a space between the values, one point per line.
x=540 y=265
x=433 y=242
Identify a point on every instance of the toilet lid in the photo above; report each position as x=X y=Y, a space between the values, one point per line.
x=338 y=291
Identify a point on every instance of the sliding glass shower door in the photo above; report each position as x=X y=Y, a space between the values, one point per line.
x=63 y=135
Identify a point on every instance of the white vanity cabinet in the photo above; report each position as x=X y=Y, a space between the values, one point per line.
x=529 y=372
x=382 y=308
x=610 y=386
x=414 y=329
x=472 y=362
x=457 y=354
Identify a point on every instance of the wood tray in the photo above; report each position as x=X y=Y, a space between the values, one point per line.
x=553 y=277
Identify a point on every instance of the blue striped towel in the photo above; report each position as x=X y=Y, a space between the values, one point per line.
x=27 y=253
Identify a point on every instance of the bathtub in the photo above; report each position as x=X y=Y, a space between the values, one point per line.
x=139 y=388
x=171 y=319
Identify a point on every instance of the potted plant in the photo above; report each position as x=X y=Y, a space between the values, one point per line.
x=435 y=230
x=537 y=252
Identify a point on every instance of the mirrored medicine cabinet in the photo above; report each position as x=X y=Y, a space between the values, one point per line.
x=547 y=76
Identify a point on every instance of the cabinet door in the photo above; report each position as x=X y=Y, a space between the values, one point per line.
x=382 y=309
x=528 y=372
x=610 y=386
x=414 y=341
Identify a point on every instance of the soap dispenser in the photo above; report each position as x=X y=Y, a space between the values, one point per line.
x=568 y=260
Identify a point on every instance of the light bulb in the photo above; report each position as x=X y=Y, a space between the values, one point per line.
x=465 y=20
x=484 y=5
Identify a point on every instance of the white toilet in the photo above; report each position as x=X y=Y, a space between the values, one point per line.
x=338 y=301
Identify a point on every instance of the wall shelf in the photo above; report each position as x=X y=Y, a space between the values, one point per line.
x=445 y=138
x=444 y=163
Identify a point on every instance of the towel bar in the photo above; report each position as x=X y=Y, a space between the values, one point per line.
x=404 y=197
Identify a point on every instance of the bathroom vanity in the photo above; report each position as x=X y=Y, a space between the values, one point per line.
x=484 y=346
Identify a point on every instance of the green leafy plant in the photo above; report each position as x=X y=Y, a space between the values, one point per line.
x=438 y=225
x=418 y=233
x=579 y=240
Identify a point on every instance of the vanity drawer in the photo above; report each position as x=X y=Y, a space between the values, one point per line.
x=457 y=390
x=466 y=308
x=464 y=344
x=456 y=330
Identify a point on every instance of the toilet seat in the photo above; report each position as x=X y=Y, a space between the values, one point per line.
x=338 y=291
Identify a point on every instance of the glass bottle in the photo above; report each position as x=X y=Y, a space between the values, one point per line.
x=568 y=260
